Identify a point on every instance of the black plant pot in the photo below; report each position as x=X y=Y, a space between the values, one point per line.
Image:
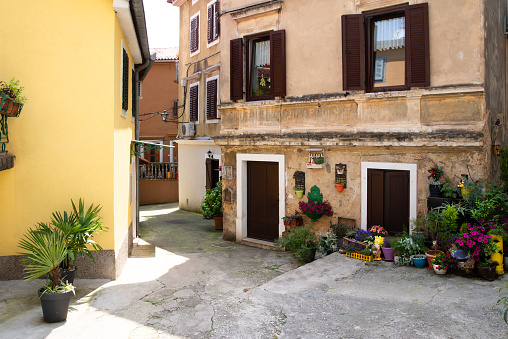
x=487 y=273
x=435 y=190
x=55 y=306
x=68 y=275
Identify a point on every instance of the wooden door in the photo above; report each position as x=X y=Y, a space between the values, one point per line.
x=388 y=199
x=263 y=200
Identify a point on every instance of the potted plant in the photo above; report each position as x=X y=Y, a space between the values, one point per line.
x=301 y=241
x=407 y=246
x=328 y=243
x=11 y=100
x=442 y=262
x=498 y=237
x=44 y=248
x=293 y=220
x=339 y=185
x=387 y=249
x=79 y=228
x=298 y=192
x=435 y=174
x=319 y=160
x=211 y=205
x=315 y=209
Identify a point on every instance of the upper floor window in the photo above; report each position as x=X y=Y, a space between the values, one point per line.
x=194 y=102
x=386 y=50
x=212 y=95
x=265 y=66
x=213 y=23
x=194 y=34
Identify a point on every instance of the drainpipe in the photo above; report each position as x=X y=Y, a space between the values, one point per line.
x=137 y=69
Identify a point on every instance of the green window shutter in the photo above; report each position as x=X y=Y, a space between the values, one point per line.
x=125 y=81
x=134 y=96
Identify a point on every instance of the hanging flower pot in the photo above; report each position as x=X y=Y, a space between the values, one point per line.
x=340 y=187
x=9 y=107
x=299 y=193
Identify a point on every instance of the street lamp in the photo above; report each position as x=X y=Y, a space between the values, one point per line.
x=165 y=116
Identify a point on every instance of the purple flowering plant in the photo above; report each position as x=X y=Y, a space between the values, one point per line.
x=476 y=241
x=316 y=207
x=362 y=235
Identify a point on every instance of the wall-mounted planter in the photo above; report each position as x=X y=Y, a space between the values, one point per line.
x=8 y=107
x=299 y=193
x=340 y=187
x=316 y=158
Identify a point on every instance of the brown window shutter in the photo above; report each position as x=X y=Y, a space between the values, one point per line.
x=175 y=109
x=211 y=99
x=417 y=45
x=278 y=63
x=217 y=19
x=194 y=40
x=236 y=69
x=193 y=104
x=209 y=23
x=353 y=52
x=209 y=174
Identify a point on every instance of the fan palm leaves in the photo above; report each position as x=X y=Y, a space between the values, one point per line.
x=44 y=249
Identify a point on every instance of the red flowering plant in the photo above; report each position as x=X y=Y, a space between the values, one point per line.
x=316 y=207
x=446 y=261
x=435 y=173
x=378 y=231
x=477 y=242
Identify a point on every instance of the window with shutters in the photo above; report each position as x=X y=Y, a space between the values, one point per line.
x=134 y=101
x=125 y=83
x=194 y=34
x=265 y=66
x=212 y=23
x=386 y=50
x=194 y=102
x=212 y=95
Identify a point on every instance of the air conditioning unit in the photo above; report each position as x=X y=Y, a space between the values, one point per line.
x=188 y=129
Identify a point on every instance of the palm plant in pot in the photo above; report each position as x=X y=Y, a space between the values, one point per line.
x=44 y=248
x=79 y=227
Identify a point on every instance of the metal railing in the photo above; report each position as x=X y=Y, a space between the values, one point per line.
x=159 y=171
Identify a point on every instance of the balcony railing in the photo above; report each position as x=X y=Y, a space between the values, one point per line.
x=159 y=171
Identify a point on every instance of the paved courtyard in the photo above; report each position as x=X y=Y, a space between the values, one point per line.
x=186 y=282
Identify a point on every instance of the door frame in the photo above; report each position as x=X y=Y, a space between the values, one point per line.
x=412 y=168
x=241 y=188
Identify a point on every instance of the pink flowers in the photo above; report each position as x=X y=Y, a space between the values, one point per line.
x=316 y=207
x=379 y=231
x=474 y=240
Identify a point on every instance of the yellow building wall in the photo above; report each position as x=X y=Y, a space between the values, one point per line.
x=70 y=141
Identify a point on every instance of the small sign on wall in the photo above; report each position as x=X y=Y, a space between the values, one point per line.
x=227 y=172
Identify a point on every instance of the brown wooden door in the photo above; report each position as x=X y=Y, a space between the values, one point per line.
x=263 y=200
x=388 y=199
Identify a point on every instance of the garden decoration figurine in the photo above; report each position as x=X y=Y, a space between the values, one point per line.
x=376 y=249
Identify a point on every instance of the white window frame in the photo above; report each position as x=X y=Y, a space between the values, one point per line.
x=123 y=111
x=212 y=121
x=199 y=33
x=216 y=41
x=190 y=86
x=412 y=168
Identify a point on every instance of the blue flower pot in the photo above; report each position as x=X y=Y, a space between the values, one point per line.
x=419 y=262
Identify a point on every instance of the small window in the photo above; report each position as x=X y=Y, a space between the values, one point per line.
x=125 y=81
x=211 y=98
x=391 y=53
x=266 y=66
x=194 y=102
x=194 y=34
x=213 y=24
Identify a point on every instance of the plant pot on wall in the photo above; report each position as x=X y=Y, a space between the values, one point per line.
x=340 y=187
x=299 y=193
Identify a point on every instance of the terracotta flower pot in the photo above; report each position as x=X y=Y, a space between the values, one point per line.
x=340 y=187
x=430 y=255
